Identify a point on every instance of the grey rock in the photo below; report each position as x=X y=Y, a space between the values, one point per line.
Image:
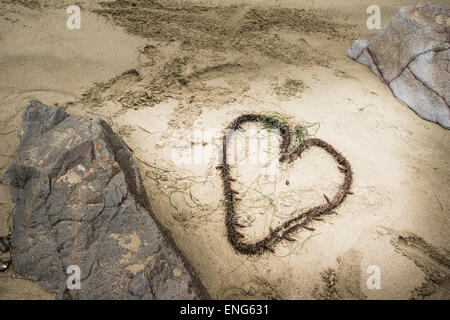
x=411 y=91
x=358 y=51
x=38 y=120
x=411 y=55
x=429 y=67
x=79 y=200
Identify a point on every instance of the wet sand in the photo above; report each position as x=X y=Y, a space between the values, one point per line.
x=160 y=69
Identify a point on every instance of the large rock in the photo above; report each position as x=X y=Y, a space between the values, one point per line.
x=79 y=200
x=412 y=56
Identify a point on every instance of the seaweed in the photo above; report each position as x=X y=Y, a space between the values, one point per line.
x=289 y=151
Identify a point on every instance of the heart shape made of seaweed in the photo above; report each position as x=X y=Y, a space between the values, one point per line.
x=291 y=225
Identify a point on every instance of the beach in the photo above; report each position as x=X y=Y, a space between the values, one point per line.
x=170 y=76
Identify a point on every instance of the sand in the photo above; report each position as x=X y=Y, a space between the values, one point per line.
x=161 y=72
